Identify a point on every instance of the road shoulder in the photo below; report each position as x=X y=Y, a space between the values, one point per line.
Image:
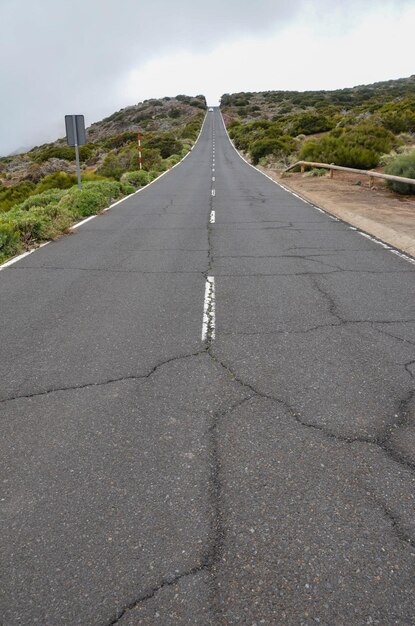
x=375 y=211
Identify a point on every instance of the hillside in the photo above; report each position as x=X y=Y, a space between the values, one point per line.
x=39 y=199
x=165 y=120
x=364 y=126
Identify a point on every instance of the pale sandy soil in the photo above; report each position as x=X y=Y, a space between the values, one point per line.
x=377 y=211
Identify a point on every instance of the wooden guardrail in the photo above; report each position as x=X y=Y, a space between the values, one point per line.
x=372 y=175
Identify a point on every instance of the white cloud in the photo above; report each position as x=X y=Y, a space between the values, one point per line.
x=295 y=58
x=95 y=56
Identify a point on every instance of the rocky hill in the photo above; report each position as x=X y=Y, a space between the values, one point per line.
x=166 y=118
x=357 y=127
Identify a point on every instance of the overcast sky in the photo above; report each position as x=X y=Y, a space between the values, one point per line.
x=97 y=56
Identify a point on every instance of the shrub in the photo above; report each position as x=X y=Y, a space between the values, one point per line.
x=9 y=196
x=39 y=223
x=166 y=143
x=63 y=152
x=173 y=160
x=139 y=178
x=358 y=146
x=278 y=147
x=9 y=241
x=57 y=180
x=111 y=167
x=151 y=158
x=402 y=166
x=43 y=199
x=174 y=113
x=316 y=171
x=122 y=139
x=94 y=197
x=46 y=215
x=115 y=164
x=309 y=123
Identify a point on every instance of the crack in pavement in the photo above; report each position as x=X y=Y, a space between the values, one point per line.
x=108 y=381
x=211 y=559
x=388 y=334
x=103 y=269
x=381 y=442
x=408 y=365
x=150 y=593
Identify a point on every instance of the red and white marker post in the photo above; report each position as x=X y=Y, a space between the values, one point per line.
x=140 y=160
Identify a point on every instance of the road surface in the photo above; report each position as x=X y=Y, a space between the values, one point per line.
x=207 y=409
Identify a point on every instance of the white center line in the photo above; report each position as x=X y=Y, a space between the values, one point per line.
x=212 y=217
x=208 y=325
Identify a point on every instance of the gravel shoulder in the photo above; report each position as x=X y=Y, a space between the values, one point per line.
x=377 y=211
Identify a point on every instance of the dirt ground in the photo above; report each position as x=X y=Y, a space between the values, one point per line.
x=377 y=211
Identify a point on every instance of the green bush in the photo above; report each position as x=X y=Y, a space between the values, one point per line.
x=402 y=166
x=173 y=160
x=9 y=196
x=115 y=164
x=166 y=143
x=9 y=241
x=43 y=199
x=40 y=223
x=138 y=178
x=316 y=171
x=122 y=139
x=357 y=146
x=84 y=203
x=57 y=180
x=151 y=158
x=63 y=152
x=309 y=123
x=277 y=147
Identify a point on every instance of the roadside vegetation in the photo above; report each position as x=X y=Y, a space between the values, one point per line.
x=39 y=197
x=363 y=127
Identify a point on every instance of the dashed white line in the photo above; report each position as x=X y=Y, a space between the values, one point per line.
x=213 y=192
x=213 y=178
x=208 y=325
x=212 y=217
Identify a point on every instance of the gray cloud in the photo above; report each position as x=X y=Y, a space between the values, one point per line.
x=64 y=56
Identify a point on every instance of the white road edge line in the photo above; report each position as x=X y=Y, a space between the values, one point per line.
x=84 y=221
x=208 y=325
x=402 y=255
x=21 y=256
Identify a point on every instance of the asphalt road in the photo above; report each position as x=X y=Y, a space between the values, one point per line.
x=262 y=475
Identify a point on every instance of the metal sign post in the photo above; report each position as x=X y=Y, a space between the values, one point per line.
x=76 y=136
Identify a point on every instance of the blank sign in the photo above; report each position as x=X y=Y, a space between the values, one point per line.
x=75 y=133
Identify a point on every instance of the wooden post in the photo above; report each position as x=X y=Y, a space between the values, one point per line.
x=331 y=173
x=371 y=181
x=302 y=169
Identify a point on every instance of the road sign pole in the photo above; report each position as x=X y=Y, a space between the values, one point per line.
x=78 y=167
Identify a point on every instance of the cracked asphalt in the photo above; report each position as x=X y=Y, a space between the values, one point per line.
x=262 y=476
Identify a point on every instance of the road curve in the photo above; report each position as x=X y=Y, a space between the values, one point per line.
x=207 y=407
